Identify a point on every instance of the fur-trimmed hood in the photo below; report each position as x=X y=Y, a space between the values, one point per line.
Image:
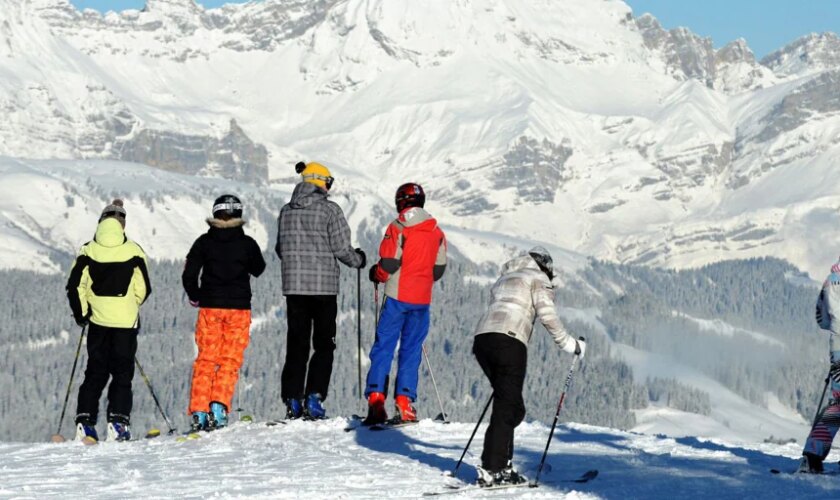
x=225 y=224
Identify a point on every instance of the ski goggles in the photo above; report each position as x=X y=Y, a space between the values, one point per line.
x=117 y=212
x=328 y=180
x=229 y=206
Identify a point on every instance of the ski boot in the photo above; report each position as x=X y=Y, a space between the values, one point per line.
x=405 y=410
x=218 y=416
x=487 y=478
x=294 y=408
x=376 y=409
x=313 y=409
x=118 y=428
x=200 y=422
x=506 y=476
x=86 y=429
x=510 y=476
x=810 y=464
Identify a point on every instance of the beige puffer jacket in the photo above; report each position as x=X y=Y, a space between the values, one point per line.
x=522 y=293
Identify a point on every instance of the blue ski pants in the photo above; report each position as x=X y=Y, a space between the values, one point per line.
x=407 y=324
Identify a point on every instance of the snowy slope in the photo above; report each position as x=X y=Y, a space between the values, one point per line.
x=50 y=205
x=732 y=417
x=320 y=460
x=573 y=123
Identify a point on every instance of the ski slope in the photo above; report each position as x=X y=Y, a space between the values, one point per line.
x=320 y=460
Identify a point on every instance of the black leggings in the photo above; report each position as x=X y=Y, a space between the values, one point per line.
x=504 y=360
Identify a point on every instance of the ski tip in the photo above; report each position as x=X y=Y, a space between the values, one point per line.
x=89 y=441
x=153 y=433
x=188 y=437
x=246 y=418
x=57 y=438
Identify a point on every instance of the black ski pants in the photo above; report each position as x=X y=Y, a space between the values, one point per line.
x=110 y=355
x=504 y=360
x=310 y=321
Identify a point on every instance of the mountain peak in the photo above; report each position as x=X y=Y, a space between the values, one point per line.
x=179 y=6
x=810 y=53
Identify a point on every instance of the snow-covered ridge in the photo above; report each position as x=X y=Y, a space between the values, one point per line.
x=571 y=123
x=320 y=460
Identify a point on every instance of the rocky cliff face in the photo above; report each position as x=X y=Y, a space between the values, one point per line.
x=233 y=156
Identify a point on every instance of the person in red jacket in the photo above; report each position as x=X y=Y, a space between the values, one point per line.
x=412 y=257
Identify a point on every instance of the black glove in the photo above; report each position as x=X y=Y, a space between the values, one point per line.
x=82 y=321
x=363 y=256
x=372 y=274
x=834 y=373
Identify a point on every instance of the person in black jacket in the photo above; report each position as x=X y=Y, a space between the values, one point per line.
x=225 y=257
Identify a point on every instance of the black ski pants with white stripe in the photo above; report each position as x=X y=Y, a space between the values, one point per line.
x=110 y=356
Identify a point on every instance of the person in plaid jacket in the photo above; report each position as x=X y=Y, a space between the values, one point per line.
x=312 y=237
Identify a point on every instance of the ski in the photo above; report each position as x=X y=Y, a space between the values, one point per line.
x=583 y=478
x=188 y=436
x=391 y=425
x=89 y=441
x=805 y=474
x=272 y=423
x=388 y=424
x=153 y=433
x=474 y=487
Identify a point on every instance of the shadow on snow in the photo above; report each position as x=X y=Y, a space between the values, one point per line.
x=630 y=465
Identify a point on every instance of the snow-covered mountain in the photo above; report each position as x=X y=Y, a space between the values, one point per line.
x=320 y=460
x=572 y=123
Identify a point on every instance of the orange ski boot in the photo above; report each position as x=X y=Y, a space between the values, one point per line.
x=376 y=409
x=406 y=411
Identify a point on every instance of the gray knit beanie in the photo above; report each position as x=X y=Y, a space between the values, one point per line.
x=115 y=210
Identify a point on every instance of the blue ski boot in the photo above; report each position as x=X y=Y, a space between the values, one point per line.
x=86 y=429
x=118 y=431
x=294 y=409
x=200 y=421
x=314 y=410
x=218 y=415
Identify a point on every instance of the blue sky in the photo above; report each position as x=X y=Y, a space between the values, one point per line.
x=767 y=25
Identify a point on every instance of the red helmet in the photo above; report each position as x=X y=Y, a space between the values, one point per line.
x=409 y=195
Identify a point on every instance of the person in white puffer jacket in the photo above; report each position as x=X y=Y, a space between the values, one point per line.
x=828 y=318
x=522 y=293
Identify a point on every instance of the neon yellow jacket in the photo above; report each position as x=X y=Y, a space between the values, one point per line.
x=109 y=280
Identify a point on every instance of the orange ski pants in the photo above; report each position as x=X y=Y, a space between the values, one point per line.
x=222 y=336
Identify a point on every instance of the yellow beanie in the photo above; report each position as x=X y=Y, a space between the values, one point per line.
x=317 y=174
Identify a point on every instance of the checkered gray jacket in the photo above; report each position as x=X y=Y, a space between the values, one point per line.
x=312 y=234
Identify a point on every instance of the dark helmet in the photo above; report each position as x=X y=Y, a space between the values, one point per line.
x=227 y=206
x=544 y=260
x=410 y=195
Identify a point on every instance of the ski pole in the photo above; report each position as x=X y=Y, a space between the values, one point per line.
x=154 y=396
x=486 y=407
x=359 y=324
x=432 y=375
x=70 y=384
x=376 y=305
x=557 y=415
